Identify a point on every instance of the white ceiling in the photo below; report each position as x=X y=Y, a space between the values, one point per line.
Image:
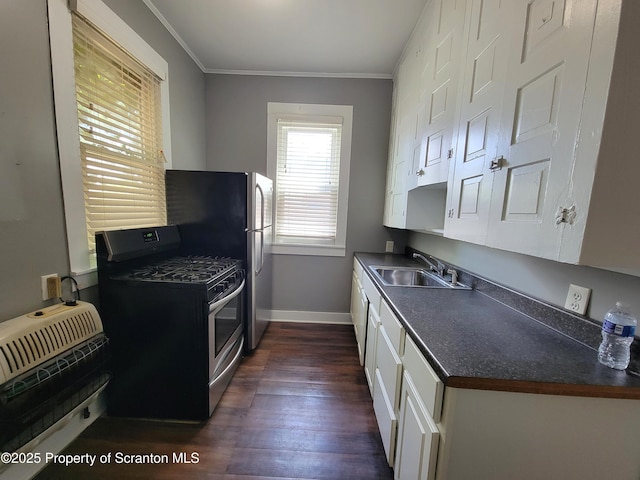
x=341 y=38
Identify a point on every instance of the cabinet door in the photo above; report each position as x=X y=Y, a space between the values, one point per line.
x=445 y=22
x=359 y=305
x=396 y=194
x=541 y=120
x=389 y=365
x=479 y=121
x=386 y=391
x=361 y=325
x=418 y=437
x=386 y=418
x=355 y=297
x=373 y=322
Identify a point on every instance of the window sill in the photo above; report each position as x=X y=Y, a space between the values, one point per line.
x=87 y=278
x=311 y=250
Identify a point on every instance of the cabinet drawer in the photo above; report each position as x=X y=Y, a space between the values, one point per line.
x=371 y=291
x=357 y=268
x=387 y=420
x=427 y=384
x=394 y=328
x=389 y=365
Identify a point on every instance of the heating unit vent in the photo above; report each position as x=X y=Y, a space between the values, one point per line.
x=31 y=339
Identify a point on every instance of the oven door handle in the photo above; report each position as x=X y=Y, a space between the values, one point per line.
x=227 y=298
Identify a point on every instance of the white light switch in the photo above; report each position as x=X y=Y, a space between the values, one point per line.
x=389 y=246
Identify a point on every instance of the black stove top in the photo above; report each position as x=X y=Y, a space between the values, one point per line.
x=192 y=269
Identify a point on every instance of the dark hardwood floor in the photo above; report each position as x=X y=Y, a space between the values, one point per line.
x=299 y=407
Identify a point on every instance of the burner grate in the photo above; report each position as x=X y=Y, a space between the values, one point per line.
x=194 y=269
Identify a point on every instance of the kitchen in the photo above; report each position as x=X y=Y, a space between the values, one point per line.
x=212 y=115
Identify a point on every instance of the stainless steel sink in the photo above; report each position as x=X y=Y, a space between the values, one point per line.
x=412 y=277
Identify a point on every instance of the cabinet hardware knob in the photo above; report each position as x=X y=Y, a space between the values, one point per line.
x=420 y=172
x=566 y=215
x=497 y=163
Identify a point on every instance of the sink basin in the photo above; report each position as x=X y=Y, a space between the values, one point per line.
x=412 y=277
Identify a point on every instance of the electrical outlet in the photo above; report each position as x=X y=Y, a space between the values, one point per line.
x=389 y=246
x=51 y=286
x=577 y=299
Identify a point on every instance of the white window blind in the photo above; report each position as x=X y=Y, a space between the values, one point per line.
x=307 y=181
x=120 y=127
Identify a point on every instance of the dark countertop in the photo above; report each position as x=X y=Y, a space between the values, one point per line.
x=474 y=341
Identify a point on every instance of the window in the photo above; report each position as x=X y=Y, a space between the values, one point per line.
x=309 y=154
x=120 y=133
x=112 y=120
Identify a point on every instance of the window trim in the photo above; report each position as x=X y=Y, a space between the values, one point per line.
x=313 y=111
x=81 y=263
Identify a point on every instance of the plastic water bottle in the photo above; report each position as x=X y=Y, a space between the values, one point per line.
x=618 y=329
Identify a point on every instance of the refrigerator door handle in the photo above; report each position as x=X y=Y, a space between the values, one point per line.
x=261 y=263
x=262 y=205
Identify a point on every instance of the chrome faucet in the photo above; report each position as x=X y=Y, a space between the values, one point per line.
x=454 y=276
x=433 y=266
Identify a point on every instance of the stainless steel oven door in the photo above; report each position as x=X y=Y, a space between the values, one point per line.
x=226 y=343
x=225 y=326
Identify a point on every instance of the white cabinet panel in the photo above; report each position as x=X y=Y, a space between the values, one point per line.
x=428 y=385
x=371 y=292
x=389 y=367
x=394 y=329
x=445 y=19
x=504 y=436
x=542 y=105
x=418 y=437
x=373 y=323
x=481 y=99
x=386 y=417
x=359 y=306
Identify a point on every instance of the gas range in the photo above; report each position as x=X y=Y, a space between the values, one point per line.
x=191 y=269
x=219 y=275
x=175 y=323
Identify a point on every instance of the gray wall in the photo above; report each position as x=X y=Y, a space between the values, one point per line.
x=542 y=279
x=237 y=141
x=32 y=231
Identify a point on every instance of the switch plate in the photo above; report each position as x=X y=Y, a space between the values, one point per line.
x=389 y=246
x=51 y=287
x=577 y=299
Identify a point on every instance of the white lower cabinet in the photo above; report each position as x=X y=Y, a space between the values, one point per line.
x=418 y=437
x=407 y=396
x=420 y=406
x=492 y=435
x=432 y=433
x=388 y=377
x=435 y=433
x=386 y=391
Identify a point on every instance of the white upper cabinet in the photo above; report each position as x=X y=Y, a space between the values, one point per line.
x=481 y=95
x=423 y=122
x=542 y=106
x=602 y=224
x=444 y=23
x=537 y=103
x=395 y=205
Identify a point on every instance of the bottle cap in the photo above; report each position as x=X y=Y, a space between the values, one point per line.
x=620 y=305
